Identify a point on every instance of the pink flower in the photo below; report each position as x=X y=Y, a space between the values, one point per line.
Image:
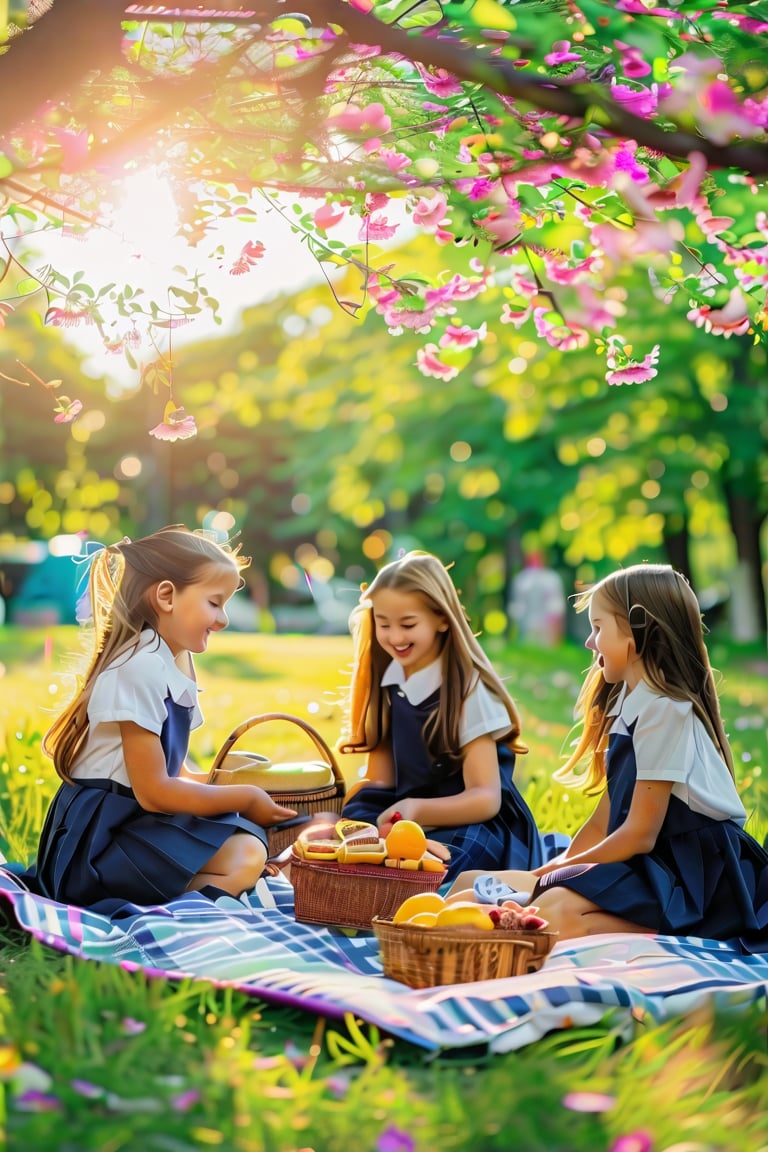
x=394 y=160
x=67 y=410
x=328 y=216
x=376 y=228
x=5 y=310
x=623 y=369
x=462 y=336
x=67 y=318
x=371 y=120
x=175 y=425
x=250 y=254
x=561 y=53
x=430 y=364
x=732 y=319
x=438 y=82
x=429 y=213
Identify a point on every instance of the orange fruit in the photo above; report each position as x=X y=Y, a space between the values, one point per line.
x=406 y=841
x=416 y=904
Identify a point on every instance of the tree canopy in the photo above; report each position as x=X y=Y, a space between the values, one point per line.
x=548 y=148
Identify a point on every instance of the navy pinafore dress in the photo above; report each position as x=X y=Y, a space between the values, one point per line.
x=510 y=839
x=703 y=877
x=100 y=849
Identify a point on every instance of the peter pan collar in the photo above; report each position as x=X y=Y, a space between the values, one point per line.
x=418 y=686
x=630 y=704
x=182 y=689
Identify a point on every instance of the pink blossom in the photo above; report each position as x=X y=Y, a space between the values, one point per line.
x=67 y=410
x=175 y=425
x=5 y=310
x=477 y=189
x=732 y=319
x=558 y=335
x=640 y=101
x=371 y=119
x=462 y=336
x=376 y=228
x=569 y=271
x=429 y=213
x=561 y=54
x=515 y=318
x=394 y=160
x=250 y=254
x=430 y=364
x=438 y=82
x=623 y=369
x=327 y=216
x=67 y=318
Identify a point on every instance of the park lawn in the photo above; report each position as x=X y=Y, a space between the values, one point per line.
x=96 y=1058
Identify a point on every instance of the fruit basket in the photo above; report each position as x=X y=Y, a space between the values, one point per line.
x=423 y=953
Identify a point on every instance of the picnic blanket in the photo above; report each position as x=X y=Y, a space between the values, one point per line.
x=264 y=952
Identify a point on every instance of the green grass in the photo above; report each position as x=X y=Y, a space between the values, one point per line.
x=96 y=1058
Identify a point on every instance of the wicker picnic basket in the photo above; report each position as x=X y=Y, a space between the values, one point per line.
x=424 y=957
x=351 y=895
x=325 y=793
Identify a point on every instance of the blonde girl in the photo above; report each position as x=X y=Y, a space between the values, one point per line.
x=127 y=825
x=440 y=729
x=665 y=849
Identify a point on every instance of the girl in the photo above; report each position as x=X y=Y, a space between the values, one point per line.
x=440 y=728
x=665 y=849
x=126 y=824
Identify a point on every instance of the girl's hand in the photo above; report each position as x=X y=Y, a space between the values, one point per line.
x=402 y=810
x=262 y=809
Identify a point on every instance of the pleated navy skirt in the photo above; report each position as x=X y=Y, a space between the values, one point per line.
x=703 y=877
x=100 y=849
x=510 y=839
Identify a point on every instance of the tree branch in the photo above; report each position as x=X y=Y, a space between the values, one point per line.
x=572 y=100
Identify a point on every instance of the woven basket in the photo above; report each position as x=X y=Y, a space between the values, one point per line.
x=325 y=799
x=351 y=895
x=425 y=957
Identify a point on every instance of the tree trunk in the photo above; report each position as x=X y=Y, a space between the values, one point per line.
x=748 y=600
x=677 y=546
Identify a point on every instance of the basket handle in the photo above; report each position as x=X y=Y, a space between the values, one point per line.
x=252 y=721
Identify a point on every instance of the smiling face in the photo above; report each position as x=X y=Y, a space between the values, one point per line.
x=613 y=644
x=188 y=615
x=408 y=628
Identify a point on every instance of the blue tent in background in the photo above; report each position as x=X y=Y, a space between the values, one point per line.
x=48 y=593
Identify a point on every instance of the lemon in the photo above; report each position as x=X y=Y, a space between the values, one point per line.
x=419 y=902
x=464 y=914
x=423 y=919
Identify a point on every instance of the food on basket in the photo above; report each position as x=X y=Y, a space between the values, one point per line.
x=430 y=902
x=406 y=840
x=355 y=842
x=465 y=915
x=431 y=910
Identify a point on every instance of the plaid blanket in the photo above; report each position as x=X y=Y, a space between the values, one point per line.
x=263 y=951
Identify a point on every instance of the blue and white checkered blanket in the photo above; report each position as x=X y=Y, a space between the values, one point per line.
x=266 y=953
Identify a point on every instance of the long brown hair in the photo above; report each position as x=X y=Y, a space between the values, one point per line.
x=120 y=581
x=655 y=605
x=462 y=659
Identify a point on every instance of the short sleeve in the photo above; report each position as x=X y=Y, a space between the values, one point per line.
x=483 y=715
x=135 y=691
x=663 y=740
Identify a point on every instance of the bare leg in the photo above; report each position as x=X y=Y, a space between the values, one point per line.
x=573 y=916
x=236 y=866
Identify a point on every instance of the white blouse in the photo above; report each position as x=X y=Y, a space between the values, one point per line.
x=133 y=687
x=483 y=713
x=671 y=743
